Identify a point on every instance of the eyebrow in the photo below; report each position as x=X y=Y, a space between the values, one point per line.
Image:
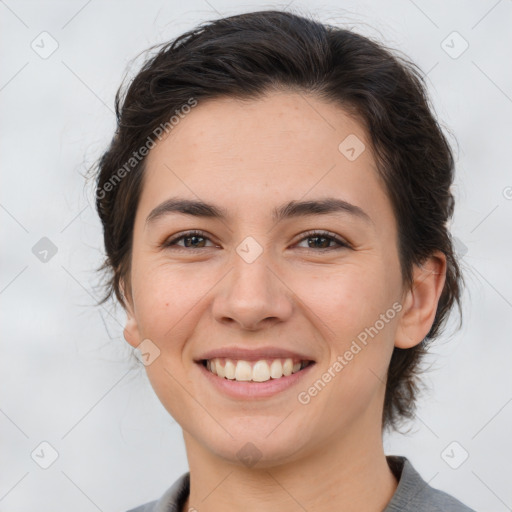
x=325 y=206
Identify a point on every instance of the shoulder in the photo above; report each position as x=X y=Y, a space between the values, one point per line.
x=413 y=493
x=172 y=500
x=147 y=507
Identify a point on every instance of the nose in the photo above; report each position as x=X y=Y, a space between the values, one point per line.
x=252 y=296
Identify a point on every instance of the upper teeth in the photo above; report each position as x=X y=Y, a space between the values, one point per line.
x=258 y=371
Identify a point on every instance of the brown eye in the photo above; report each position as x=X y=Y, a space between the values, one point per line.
x=322 y=239
x=192 y=239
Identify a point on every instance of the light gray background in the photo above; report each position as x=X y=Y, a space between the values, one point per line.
x=64 y=365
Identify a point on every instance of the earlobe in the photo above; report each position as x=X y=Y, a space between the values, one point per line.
x=130 y=333
x=421 y=300
x=131 y=329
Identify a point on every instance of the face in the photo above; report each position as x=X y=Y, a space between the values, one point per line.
x=309 y=283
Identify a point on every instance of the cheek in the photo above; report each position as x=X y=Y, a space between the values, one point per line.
x=355 y=310
x=172 y=306
x=167 y=296
x=354 y=313
x=347 y=299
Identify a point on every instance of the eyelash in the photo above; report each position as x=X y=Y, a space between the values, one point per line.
x=309 y=234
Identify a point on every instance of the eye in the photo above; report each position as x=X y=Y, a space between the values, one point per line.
x=197 y=239
x=321 y=238
x=192 y=239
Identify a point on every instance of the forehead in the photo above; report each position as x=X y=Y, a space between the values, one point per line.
x=256 y=153
x=286 y=125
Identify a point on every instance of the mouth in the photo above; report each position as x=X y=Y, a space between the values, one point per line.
x=260 y=371
x=260 y=379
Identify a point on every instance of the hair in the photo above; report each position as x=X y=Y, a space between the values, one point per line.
x=249 y=55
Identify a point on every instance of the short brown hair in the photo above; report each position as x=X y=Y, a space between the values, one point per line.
x=248 y=55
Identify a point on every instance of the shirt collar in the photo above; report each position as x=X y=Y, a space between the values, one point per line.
x=410 y=486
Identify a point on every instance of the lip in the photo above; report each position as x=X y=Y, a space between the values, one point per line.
x=253 y=354
x=253 y=390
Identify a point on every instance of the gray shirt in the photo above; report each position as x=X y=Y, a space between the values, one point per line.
x=412 y=494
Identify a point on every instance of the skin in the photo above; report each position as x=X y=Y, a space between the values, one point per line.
x=250 y=157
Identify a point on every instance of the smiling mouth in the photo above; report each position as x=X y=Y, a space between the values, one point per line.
x=262 y=370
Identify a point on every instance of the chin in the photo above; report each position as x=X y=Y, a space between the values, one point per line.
x=257 y=449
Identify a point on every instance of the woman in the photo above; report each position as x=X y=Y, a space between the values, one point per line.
x=274 y=205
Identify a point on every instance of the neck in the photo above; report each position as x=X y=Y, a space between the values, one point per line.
x=348 y=473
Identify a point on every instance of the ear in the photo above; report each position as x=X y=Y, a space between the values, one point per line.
x=420 y=302
x=131 y=329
